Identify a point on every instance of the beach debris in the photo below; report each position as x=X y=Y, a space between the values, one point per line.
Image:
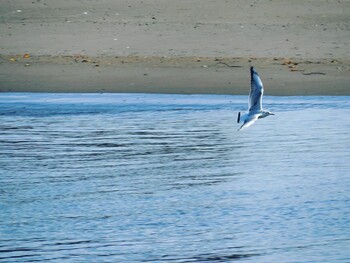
x=19 y=11
x=230 y=66
x=26 y=55
x=27 y=65
x=292 y=65
x=85 y=13
x=251 y=59
x=312 y=62
x=13 y=59
x=314 y=73
x=289 y=62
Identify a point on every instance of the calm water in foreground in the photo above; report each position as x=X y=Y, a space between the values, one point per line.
x=167 y=178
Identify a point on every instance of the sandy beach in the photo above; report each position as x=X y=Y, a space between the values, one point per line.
x=186 y=47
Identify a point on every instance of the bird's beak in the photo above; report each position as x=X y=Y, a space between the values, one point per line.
x=272 y=113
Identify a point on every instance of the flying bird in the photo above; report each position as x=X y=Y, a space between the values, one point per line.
x=255 y=110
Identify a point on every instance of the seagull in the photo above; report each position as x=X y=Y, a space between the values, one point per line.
x=255 y=110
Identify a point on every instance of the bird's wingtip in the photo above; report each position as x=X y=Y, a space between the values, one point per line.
x=242 y=127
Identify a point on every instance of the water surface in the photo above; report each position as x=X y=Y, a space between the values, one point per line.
x=167 y=178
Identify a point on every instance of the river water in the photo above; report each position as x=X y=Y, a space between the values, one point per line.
x=167 y=178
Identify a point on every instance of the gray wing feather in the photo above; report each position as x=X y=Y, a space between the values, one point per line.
x=249 y=121
x=256 y=91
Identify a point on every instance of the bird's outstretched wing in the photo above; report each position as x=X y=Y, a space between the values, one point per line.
x=249 y=121
x=256 y=91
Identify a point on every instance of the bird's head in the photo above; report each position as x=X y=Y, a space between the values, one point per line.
x=266 y=113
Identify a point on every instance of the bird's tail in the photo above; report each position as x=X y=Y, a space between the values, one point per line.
x=239 y=117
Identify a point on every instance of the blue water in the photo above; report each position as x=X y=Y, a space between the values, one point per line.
x=167 y=178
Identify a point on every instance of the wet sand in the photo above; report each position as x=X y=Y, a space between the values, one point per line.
x=201 y=46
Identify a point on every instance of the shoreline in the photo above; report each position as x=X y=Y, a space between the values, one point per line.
x=172 y=75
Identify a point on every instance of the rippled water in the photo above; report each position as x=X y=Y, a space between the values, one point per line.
x=167 y=178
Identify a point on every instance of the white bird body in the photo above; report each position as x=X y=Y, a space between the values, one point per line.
x=255 y=110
